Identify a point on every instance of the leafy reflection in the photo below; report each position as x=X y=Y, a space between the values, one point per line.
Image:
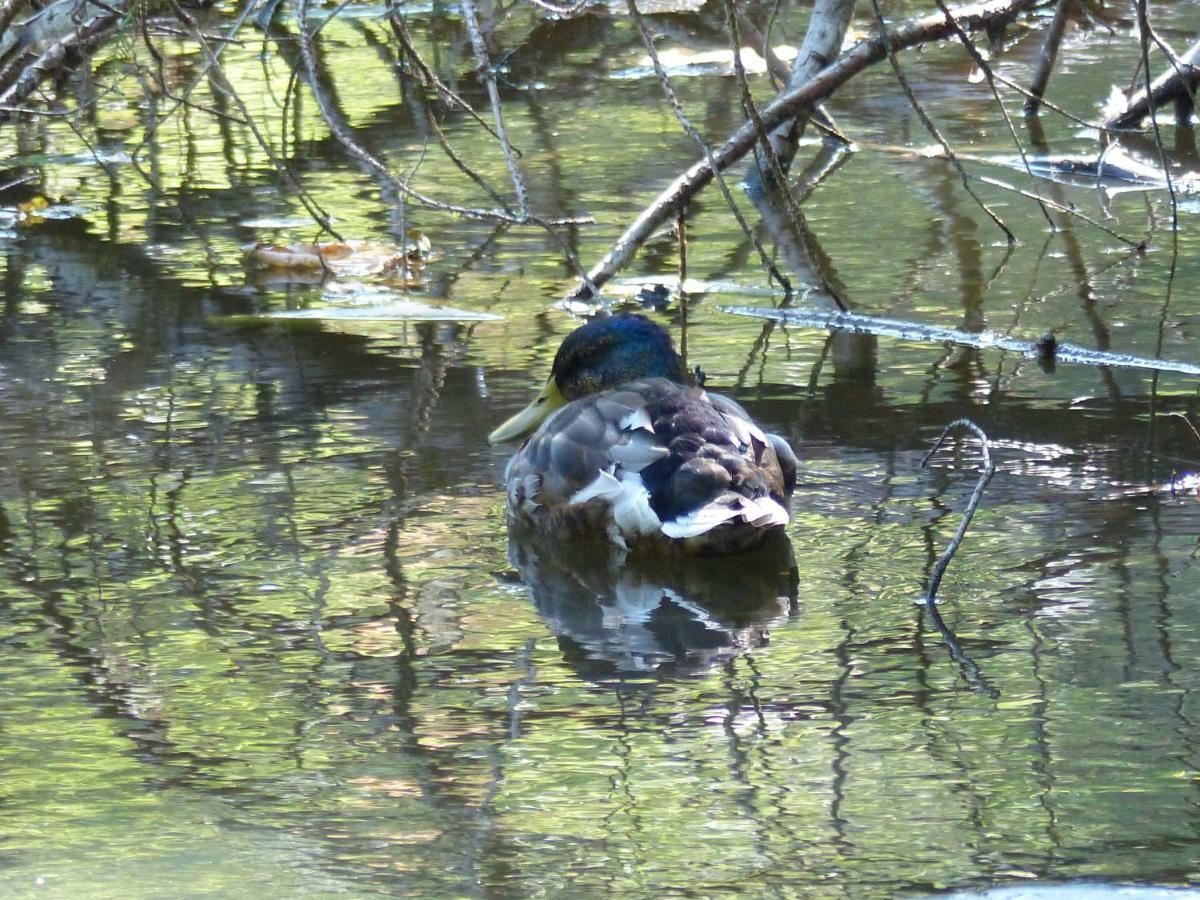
x=670 y=616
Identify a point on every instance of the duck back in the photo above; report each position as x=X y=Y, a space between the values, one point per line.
x=656 y=465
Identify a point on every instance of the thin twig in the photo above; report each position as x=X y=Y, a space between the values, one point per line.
x=1058 y=207
x=1183 y=79
x=982 y=63
x=444 y=142
x=779 y=185
x=484 y=67
x=1182 y=68
x=929 y=124
x=42 y=65
x=341 y=133
x=452 y=98
x=681 y=233
x=218 y=82
x=792 y=102
x=779 y=73
x=1144 y=40
x=1055 y=108
x=18 y=181
x=199 y=77
x=751 y=111
x=1188 y=423
x=989 y=469
x=677 y=108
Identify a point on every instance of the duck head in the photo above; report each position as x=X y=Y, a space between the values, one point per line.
x=605 y=353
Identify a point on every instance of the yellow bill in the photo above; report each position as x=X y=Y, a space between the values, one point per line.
x=530 y=417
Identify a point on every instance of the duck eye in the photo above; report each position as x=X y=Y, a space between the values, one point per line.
x=541 y=400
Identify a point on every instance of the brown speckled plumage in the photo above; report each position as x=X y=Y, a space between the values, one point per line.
x=705 y=446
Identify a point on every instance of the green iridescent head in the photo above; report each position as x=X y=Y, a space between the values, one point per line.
x=604 y=353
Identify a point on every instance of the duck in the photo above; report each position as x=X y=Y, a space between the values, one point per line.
x=619 y=444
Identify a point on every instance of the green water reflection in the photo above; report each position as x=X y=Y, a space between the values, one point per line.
x=263 y=633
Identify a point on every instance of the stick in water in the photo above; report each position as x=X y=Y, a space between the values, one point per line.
x=969 y=669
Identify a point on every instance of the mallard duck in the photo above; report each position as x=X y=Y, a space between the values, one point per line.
x=624 y=447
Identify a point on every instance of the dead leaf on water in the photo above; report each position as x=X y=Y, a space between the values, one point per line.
x=353 y=258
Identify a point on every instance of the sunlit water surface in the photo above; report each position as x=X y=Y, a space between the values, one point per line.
x=262 y=630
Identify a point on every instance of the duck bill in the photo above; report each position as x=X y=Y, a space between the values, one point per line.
x=530 y=417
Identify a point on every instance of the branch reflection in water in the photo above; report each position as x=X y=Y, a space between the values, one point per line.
x=669 y=616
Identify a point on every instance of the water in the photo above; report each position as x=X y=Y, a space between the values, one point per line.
x=263 y=632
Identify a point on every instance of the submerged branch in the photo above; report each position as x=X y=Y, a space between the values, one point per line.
x=983 y=340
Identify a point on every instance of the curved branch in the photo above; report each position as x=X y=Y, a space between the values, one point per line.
x=968 y=666
x=989 y=469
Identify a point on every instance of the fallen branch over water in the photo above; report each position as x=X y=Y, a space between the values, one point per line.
x=983 y=340
x=1177 y=83
x=788 y=105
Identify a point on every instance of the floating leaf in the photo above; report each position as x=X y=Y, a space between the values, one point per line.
x=297 y=256
x=30 y=212
x=356 y=258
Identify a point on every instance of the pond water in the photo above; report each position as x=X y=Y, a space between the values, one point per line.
x=262 y=630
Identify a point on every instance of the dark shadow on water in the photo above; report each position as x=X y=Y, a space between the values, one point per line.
x=666 y=616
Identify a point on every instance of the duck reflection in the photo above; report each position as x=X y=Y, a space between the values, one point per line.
x=615 y=616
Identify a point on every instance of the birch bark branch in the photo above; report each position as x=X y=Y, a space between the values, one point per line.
x=822 y=44
x=1175 y=83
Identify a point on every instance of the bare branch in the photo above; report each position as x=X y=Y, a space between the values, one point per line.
x=1144 y=40
x=648 y=40
x=1048 y=56
x=1059 y=207
x=400 y=30
x=908 y=330
x=342 y=134
x=35 y=69
x=484 y=66
x=982 y=63
x=989 y=469
x=863 y=54
x=931 y=127
x=827 y=26
x=1182 y=80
